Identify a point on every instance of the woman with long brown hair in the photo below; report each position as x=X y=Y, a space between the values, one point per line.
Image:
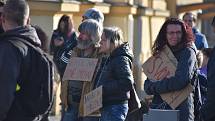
x=178 y=37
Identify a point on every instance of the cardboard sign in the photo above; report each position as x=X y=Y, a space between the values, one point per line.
x=93 y=101
x=164 y=66
x=81 y=69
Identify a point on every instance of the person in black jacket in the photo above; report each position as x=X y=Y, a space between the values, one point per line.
x=208 y=109
x=178 y=37
x=15 y=22
x=116 y=76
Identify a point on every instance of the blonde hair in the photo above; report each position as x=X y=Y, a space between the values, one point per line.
x=115 y=36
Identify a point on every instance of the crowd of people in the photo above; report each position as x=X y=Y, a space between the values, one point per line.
x=113 y=71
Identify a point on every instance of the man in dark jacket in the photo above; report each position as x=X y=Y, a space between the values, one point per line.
x=15 y=19
x=208 y=108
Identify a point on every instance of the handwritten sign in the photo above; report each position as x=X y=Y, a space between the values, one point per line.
x=93 y=101
x=163 y=66
x=81 y=69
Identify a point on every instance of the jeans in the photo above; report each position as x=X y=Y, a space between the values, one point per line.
x=114 y=112
x=72 y=114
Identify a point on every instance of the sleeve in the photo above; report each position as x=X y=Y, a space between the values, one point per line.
x=148 y=87
x=182 y=77
x=9 y=66
x=123 y=77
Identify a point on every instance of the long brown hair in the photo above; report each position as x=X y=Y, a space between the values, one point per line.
x=66 y=19
x=161 y=40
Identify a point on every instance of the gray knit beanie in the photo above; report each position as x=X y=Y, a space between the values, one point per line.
x=94 y=13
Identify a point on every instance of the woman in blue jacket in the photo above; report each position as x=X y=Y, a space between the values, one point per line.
x=178 y=37
x=116 y=76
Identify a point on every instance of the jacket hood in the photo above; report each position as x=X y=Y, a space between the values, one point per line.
x=123 y=50
x=25 y=32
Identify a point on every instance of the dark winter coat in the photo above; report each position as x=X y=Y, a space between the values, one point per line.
x=116 y=76
x=11 y=108
x=209 y=108
x=184 y=72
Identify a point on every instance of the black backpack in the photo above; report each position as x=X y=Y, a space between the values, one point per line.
x=36 y=80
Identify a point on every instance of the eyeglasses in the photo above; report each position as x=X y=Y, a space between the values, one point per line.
x=172 y=33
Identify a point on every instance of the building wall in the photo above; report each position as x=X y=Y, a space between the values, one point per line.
x=184 y=2
x=44 y=21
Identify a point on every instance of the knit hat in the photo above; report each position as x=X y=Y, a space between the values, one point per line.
x=94 y=13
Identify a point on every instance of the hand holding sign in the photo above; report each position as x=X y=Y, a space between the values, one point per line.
x=93 y=101
x=163 y=66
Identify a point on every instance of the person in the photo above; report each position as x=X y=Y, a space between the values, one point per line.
x=44 y=46
x=200 y=39
x=1 y=9
x=44 y=40
x=201 y=87
x=43 y=37
x=178 y=37
x=15 y=103
x=116 y=76
x=203 y=57
x=208 y=108
x=63 y=40
x=93 y=13
x=72 y=90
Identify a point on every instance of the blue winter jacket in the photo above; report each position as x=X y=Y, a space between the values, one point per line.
x=186 y=61
x=200 y=39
